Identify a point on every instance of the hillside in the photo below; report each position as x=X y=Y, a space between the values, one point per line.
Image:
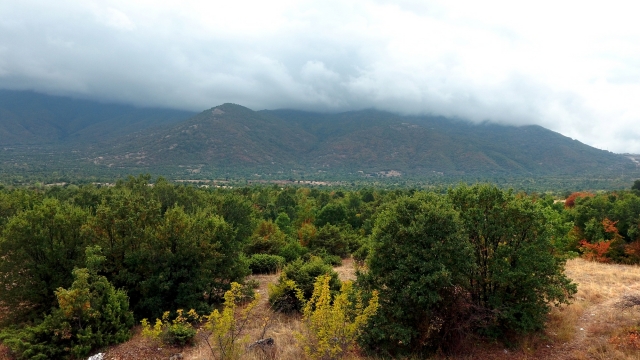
x=41 y=134
x=359 y=142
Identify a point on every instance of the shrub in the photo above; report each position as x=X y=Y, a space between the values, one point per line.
x=265 y=263
x=223 y=331
x=418 y=262
x=266 y=239
x=90 y=314
x=327 y=258
x=334 y=322
x=361 y=254
x=285 y=296
x=305 y=273
x=178 y=331
x=299 y=277
x=331 y=239
x=293 y=251
x=516 y=277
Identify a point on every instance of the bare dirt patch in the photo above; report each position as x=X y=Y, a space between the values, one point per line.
x=140 y=347
x=347 y=270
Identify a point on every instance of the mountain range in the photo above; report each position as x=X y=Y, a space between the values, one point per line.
x=49 y=132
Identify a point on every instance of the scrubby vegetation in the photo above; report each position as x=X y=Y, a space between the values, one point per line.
x=440 y=267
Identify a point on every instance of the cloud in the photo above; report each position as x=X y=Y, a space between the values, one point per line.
x=569 y=66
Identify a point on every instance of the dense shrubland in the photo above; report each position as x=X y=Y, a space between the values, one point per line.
x=475 y=260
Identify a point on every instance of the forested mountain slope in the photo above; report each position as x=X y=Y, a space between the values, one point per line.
x=49 y=133
x=369 y=141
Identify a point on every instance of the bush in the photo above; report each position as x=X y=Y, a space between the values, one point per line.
x=334 y=322
x=418 y=262
x=327 y=258
x=331 y=239
x=91 y=314
x=516 y=277
x=299 y=277
x=224 y=332
x=266 y=239
x=265 y=263
x=361 y=254
x=305 y=273
x=178 y=331
x=293 y=251
x=285 y=296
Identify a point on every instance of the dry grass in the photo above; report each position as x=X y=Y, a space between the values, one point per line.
x=586 y=328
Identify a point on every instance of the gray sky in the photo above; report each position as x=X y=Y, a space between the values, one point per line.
x=570 y=66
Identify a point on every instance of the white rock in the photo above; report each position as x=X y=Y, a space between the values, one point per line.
x=98 y=356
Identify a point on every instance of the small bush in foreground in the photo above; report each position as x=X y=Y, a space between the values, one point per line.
x=178 y=331
x=224 y=332
x=296 y=284
x=334 y=323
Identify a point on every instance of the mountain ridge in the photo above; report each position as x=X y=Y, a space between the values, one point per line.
x=45 y=132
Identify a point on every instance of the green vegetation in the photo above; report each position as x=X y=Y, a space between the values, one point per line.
x=90 y=314
x=333 y=323
x=296 y=282
x=446 y=264
x=516 y=277
x=418 y=262
x=265 y=263
x=606 y=227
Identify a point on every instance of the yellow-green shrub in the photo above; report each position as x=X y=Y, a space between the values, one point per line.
x=334 y=323
x=225 y=330
x=178 y=331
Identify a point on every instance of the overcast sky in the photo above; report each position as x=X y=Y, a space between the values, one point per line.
x=570 y=66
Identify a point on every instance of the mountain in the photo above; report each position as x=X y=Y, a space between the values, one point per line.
x=31 y=118
x=232 y=137
x=42 y=134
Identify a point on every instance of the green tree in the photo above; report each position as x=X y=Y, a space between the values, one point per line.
x=331 y=239
x=190 y=263
x=333 y=213
x=419 y=262
x=266 y=239
x=39 y=249
x=516 y=277
x=90 y=314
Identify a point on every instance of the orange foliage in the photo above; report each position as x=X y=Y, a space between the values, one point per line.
x=571 y=199
x=596 y=252
x=610 y=227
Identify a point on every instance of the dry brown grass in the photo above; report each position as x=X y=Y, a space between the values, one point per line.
x=585 y=329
